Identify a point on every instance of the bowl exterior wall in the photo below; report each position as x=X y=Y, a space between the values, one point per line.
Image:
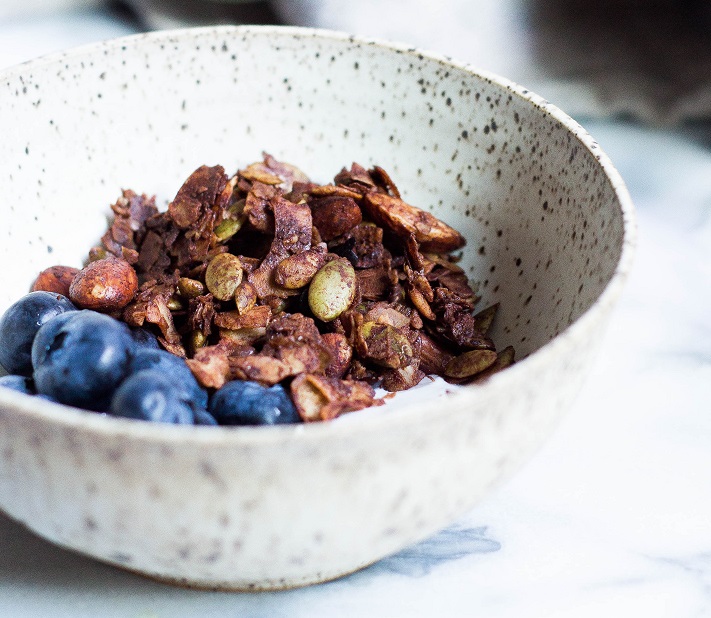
x=260 y=517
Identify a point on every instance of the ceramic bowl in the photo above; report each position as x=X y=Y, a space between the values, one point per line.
x=548 y=223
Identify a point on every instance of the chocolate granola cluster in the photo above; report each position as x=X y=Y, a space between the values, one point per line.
x=269 y=277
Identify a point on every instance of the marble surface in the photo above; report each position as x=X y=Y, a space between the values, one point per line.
x=611 y=518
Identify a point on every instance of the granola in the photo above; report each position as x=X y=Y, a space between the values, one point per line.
x=330 y=290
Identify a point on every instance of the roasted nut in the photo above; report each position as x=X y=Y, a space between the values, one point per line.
x=395 y=380
x=130 y=255
x=104 y=285
x=157 y=312
x=257 y=317
x=243 y=336
x=190 y=288
x=404 y=219
x=264 y=369
x=328 y=190
x=320 y=398
x=273 y=172
x=245 y=297
x=385 y=180
x=260 y=172
x=210 y=366
x=332 y=289
x=385 y=345
x=341 y=354
x=297 y=270
x=433 y=358
x=55 y=279
x=469 y=363
x=384 y=313
x=334 y=216
x=223 y=276
x=202 y=189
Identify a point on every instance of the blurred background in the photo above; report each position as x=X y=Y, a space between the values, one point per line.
x=641 y=60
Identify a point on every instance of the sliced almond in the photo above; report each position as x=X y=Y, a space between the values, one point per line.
x=404 y=219
x=264 y=369
x=296 y=271
x=210 y=366
x=337 y=190
x=256 y=317
x=320 y=398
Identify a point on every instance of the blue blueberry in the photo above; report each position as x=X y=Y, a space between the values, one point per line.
x=47 y=334
x=249 y=403
x=175 y=369
x=203 y=417
x=150 y=395
x=46 y=398
x=21 y=384
x=83 y=360
x=19 y=325
x=145 y=339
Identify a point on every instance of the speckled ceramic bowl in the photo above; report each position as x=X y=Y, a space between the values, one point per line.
x=547 y=220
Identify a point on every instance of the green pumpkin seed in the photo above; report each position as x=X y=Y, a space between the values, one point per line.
x=469 y=363
x=190 y=288
x=223 y=275
x=332 y=290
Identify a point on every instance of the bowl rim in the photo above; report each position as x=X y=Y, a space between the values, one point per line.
x=68 y=417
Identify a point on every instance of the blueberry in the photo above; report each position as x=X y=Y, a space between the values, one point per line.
x=19 y=325
x=82 y=360
x=150 y=395
x=203 y=417
x=249 y=403
x=46 y=335
x=21 y=384
x=145 y=339
x=46 y=398
x=175 y=369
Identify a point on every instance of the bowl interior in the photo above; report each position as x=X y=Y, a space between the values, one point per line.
x=543 y=222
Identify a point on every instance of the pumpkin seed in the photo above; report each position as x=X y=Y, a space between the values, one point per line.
x=332 y=290
x=470 y=363
x=190 y=288
x=223 y=275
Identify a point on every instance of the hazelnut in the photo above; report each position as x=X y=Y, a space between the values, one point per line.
x=105 y=285
x=55 y=279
